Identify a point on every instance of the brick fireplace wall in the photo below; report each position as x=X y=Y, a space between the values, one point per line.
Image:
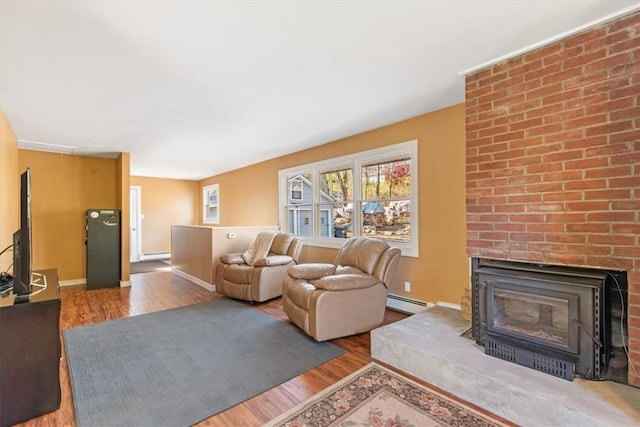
x=553 y=157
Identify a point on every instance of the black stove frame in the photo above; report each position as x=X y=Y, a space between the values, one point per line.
x=587 y=350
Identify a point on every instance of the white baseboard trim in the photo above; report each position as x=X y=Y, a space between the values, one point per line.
x=449 y=305
x=161 y=255
x=73 y=282
x=407 y=305
x=125 y=283
x=195 y=280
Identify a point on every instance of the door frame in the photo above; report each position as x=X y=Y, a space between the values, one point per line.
x=135 y=191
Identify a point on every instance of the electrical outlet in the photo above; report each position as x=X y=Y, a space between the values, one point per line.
x=231 y=235
x=407 y=286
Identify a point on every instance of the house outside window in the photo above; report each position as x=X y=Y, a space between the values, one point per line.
x=371 y=193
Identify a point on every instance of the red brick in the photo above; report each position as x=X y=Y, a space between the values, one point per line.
x=609 y=128
x=524 y=198
x=531 y=160
x=630 y=252
x=492 y=166
x=525 y=179
x=544 y=188
x=544 y=71
x=545 y=129
x=627 y=113
x=626 y=44
x=626 y=205
x=547 y=110
x=626 y=228
x=611 y=216
x=586 y=163
x=565 y=259
x=587 y=184
x=588 y=206
x=633 y=135
x=492 y=96
x=562 y=176
x=526 y=143
x=493 y=131
x=545 y=90
x=567 y=218
x=527 y=237
x=623 y=92
x=566 y=238
x=507 y=172
x=511 y=227
x=548 y=229
x=545 y=207
x=544 y=168
x=584 y=143
x=512 y=189
x=624 y=170
x=608 y=262
x=493 y=218
x=525 y=124
x=516 y=207
x=612 y=240
x=562 y=195
x=629 y=182
x=607 y=194
x=527 y=256
x=585 y=101
x=509 y=136
x=585 y=227
x=590 y=120
x=526 y=106
x=590 y=249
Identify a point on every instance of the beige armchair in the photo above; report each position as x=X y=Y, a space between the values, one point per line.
x=329 y=301
x=257 y=274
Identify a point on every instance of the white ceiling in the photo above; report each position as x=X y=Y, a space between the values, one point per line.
x=195 y=88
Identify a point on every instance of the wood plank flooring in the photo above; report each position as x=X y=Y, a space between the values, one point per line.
x=164 y=290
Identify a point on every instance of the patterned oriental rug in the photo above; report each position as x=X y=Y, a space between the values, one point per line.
x=375 y=396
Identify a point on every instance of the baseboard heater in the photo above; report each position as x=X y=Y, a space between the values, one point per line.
x=160 y=255
x=406 y=305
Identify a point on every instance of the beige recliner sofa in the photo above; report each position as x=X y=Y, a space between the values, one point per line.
x=257 y=274
x=329 y=301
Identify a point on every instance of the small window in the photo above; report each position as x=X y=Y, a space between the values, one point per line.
x=295 y=190
x=211 y=204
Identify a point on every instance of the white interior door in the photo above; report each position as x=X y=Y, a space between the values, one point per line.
x=135 y=223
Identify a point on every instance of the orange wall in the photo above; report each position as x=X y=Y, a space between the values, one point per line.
x=63 y=188
x=9 y=190
x=249 y=196
x=165 y=202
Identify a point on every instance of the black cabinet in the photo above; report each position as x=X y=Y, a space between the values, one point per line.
x=30 y=354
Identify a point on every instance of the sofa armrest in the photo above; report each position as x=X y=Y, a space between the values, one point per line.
x=273 y=260
x=345 y=282
x=232 y=259
x=311 y=271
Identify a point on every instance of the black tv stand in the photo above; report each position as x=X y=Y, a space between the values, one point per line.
x=30 y=354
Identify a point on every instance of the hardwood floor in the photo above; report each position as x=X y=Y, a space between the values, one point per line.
x=164 y=290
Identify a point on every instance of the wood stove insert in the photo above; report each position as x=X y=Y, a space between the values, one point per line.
x=550 y=318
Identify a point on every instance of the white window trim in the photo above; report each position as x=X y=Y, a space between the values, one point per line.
x=205 y=204
x=354 y=161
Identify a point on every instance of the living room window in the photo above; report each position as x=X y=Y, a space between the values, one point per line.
x=371 y=193
x=211 y=204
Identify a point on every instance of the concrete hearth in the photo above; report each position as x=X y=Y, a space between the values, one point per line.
x=428 y=345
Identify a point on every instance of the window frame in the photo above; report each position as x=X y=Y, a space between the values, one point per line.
x=206 y=191
x=355 y=162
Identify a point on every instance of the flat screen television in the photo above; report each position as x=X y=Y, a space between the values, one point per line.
x=22 y=241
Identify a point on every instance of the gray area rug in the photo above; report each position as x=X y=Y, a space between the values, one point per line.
x=180 y=366
x=149 y=266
